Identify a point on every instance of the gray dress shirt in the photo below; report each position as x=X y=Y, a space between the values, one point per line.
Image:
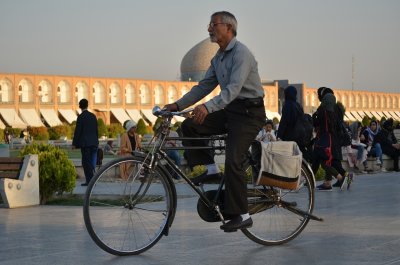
x=235 y=71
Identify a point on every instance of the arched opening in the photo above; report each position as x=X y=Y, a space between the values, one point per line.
x=184 y=90
x=145 y=96
x=365 y=101
x=313 y=101
x=64 y=92
x=81 y=90
x=351 y=103
x=395 y=102
x=389 y=102
x=115 y=93
x=358 y=101
x=99 y=92
x=6 y=91
x=345 y=101
x=159 y=95
x=45 y=92
x=130 y=95
x=377 y=102
x=25 y=91
x=371 y=101
x=172 y=94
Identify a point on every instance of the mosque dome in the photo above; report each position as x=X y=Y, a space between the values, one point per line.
x=197 y=60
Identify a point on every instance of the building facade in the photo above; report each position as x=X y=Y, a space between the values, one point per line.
x=50 y=100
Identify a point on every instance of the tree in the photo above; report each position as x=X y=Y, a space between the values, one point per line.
x=39 y=133
x=141 y=127
x=365 y=121
x=114 y=130
x=383 y=120
x=101 y=127
x=59 y=131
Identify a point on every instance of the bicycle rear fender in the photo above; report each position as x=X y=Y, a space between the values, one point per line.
x=307 y=168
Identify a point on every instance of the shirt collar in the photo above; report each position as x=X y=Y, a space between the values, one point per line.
x=230 y=46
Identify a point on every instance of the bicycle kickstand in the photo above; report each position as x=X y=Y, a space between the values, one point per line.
x=220 y=214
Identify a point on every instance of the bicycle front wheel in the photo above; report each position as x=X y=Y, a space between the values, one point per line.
x=280 y=215
x=127 y=206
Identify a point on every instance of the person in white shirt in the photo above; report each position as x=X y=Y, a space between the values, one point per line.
x=266 y=134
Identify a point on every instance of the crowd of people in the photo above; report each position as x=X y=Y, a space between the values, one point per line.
x=333 y=137
x=324 y=148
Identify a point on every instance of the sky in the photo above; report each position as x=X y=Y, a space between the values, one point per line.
x=343 y=44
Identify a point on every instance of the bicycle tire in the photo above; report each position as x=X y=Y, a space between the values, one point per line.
x=279 y=220
x=128 y=217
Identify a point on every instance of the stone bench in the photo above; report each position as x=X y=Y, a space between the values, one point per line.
x=371 y=163
x=19 y=181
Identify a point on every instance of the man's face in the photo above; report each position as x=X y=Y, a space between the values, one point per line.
x=217 y=29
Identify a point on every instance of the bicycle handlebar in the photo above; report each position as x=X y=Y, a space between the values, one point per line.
x=157 y=111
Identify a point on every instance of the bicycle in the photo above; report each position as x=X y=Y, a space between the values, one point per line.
x=129 y=216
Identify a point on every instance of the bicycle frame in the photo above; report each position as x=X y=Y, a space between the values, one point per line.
x=159 y=150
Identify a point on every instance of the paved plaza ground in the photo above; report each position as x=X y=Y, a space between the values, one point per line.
x=362 y=226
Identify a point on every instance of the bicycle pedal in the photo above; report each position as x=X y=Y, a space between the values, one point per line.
x=230 y=230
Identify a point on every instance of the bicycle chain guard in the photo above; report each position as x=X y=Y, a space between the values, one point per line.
x=207 y=214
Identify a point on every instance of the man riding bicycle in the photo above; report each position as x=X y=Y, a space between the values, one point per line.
x=238 y=111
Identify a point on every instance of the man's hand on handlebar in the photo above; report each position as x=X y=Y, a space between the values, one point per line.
x=171 y=107
x=199 y=113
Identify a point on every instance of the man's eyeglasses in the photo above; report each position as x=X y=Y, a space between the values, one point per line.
x=212 y=24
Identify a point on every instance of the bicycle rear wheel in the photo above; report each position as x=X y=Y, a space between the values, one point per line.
x=127 y=216
x=280 y=215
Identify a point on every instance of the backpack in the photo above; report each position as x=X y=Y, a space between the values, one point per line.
x=100 y=156
x=343 y=134
x=304 y=130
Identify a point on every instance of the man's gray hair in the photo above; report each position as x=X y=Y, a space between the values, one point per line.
x=227 y=18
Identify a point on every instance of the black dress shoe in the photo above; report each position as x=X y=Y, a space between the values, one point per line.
x=204 y=178
x=84 y=184
x=237 y=223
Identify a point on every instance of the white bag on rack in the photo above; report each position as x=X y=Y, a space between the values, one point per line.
x=280 y=165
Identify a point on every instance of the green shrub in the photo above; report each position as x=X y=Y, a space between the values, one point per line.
x=101 y=127
x=141 y=127
x=320 y=175
x=38 y=133
x=57 y=132
x=200 y=169
x=365 y=121
x=157 y=124
x=197 y=170
x=114 y=129
x=56 y=172
x=382 y=120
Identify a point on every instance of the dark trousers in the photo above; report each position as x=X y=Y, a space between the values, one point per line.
x=89 y=156
x=337 y=164
x=241 y=125
x=330 y=170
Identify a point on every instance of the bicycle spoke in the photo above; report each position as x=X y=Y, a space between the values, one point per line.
x=127 y=217
x=279 y=215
